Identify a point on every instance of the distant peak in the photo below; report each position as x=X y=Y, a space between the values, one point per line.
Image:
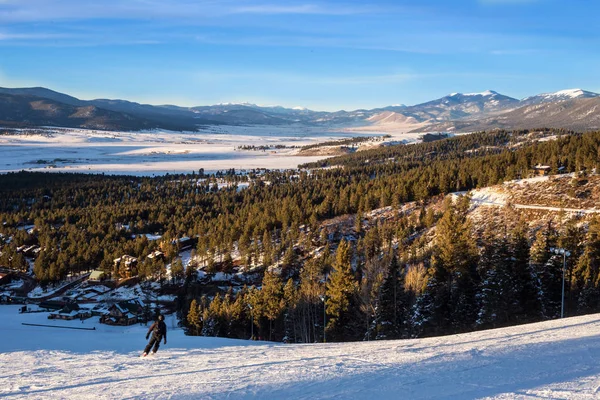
x=247 y=104
x=564 y=94
x=571 y=92
x=486 y=93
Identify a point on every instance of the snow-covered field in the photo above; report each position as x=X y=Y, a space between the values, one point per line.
x=552 y=360
x=160 y=152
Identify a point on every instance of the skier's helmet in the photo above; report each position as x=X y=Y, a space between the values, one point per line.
x=161 y=317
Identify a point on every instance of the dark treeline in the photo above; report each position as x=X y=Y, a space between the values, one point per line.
x=346 y=142
x=374 y=290
x=84 y=222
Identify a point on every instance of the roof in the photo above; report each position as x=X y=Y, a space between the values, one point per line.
x=96 y=275
x=133 y=306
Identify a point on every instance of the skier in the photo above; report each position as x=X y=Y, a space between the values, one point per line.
x=159 y=331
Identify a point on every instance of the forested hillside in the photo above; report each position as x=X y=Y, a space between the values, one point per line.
x=365 y=245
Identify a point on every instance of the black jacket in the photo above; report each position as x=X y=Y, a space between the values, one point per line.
x=158 y=329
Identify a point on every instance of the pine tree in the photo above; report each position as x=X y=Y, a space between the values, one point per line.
x=212 y=322
x=456 y=253
x=527 y=306
x=496 y=293
x=193 y=319
x=291 y=300
x=374 y=273
x=547 y=272
x=272 y=294
x=341 y=287
x=587 y=271
x=394 y=303
x=255 y=302
x=267 y=249
x=310 y=307
x=430 y=315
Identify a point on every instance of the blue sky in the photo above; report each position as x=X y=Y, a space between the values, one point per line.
x=325 y=55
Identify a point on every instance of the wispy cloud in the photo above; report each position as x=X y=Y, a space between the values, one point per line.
x=515 y=52
x=278 y=76
x=32 y=36
x=499 y=2
x=44 y=10
x=210 y=76
x=268 y=9
x=322 y=41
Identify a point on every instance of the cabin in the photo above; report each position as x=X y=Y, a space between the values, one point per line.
x=71 y=311
x=53 y=304
x=156 y=255
x=185 y=243
x=97 y=276
x=124 y=313
x=542 y=170
x=91 y=293
x=29 y=251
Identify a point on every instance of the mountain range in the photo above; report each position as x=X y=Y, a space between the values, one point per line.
x=457 y=112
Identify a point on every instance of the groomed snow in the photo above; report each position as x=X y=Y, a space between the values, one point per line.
x=556 y=359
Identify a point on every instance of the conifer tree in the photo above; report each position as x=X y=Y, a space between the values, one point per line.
x=255 y=302
x=430 y=315
x=272 y=294
x=394 y=302
x=193 y=319
x=374 y=273
x=212 y=317
x=587 y=271
x=310 y=291
x=455 y=252
x=341 y=287
x=291 y=300
x=496 y=293
x=527 y=306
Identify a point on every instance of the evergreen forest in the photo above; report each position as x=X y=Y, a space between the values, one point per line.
x=364 y=246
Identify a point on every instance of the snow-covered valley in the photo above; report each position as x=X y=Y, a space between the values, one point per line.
x=159 y=152
x=555 y=359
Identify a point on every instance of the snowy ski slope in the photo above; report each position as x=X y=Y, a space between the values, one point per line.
x=551 y=360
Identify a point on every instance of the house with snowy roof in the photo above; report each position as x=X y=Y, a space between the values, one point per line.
x=124 y=313
x=542 y=170
x=97 y=276
x=70 y=311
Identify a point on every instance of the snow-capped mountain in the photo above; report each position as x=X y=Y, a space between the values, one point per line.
x=456 y=111
x=459 y=105
x=561 y=95
x=579 y=114
x=451 y=107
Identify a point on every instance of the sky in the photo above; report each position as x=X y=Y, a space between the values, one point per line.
x=324 y=55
